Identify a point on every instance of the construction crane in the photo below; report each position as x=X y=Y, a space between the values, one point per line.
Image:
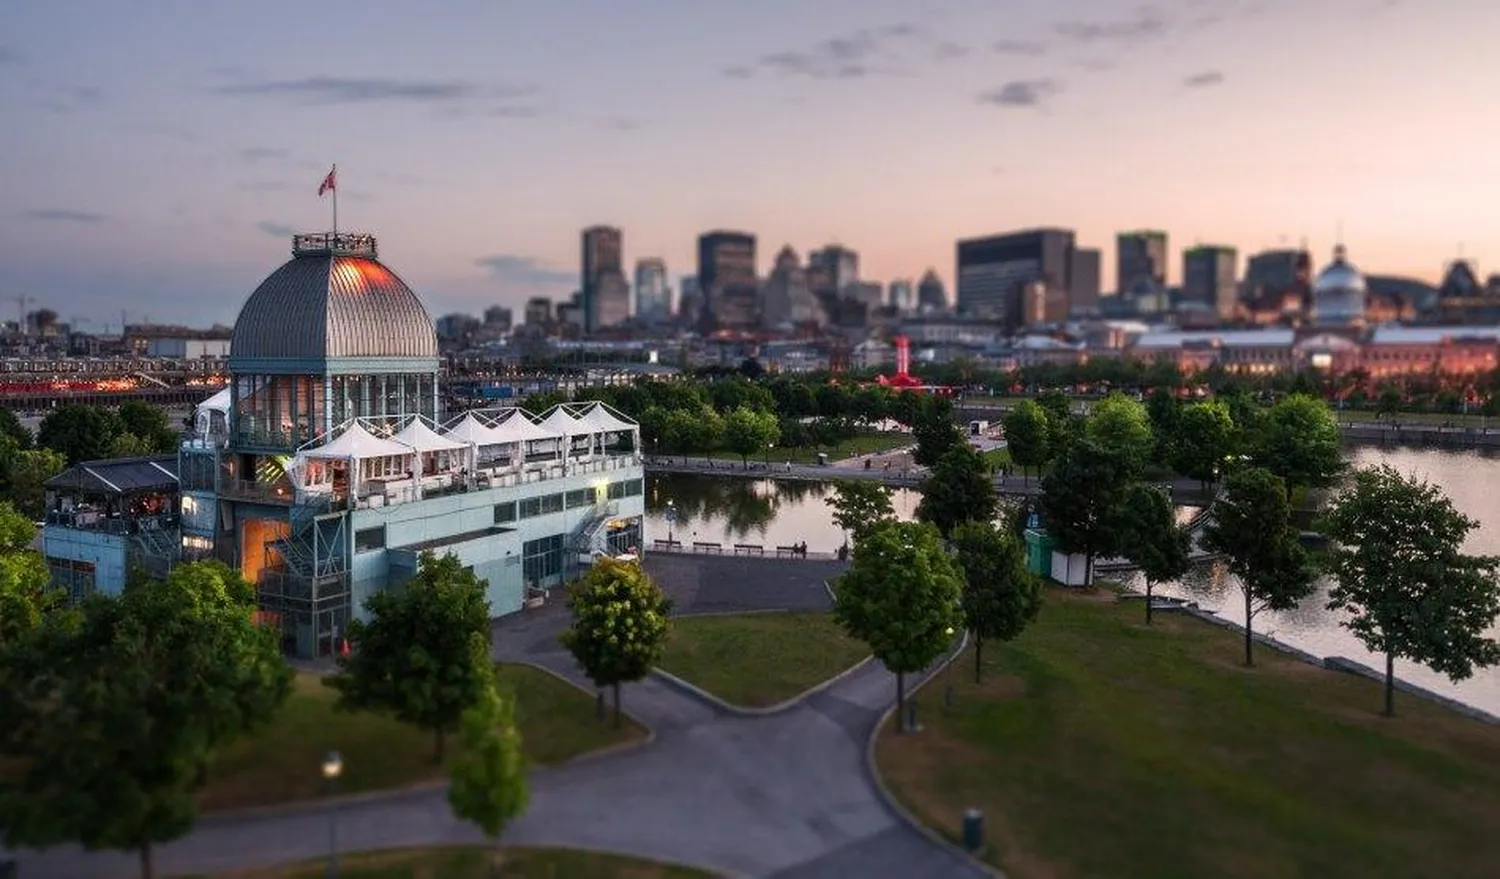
x=22 y=300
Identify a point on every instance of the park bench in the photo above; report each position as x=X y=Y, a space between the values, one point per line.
x=701 y=546
x=749 y=549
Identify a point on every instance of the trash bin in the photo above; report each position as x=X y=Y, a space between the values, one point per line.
x=822 y=459
x=973 y=830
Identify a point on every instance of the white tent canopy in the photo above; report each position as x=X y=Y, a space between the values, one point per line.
x=562 y=423
x=517 y=428
x=472 y=430
x=219 y=402
x=601 y=419
x=356 y=442
x=424 y=439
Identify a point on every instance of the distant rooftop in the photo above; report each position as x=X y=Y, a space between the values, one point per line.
x=334 y=244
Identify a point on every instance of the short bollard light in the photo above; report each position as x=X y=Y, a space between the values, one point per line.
x=333 y=767
x=973 y=830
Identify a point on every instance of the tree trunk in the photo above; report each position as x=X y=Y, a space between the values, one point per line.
x=901 y=702
x=617 y=704
x=1249 y=659
x=1149 y=584
x=978 y=659
x=148 y=869
x=1390 y=684
x=439 y=744
x=1088 y=570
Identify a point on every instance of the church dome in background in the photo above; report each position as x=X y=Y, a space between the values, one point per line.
x=1338 y=294
x=333 y=300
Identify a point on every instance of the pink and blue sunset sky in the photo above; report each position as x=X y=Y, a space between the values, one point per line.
x=156 y=154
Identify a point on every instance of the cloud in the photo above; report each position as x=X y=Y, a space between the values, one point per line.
x=1206 y=78
x=276 y=230
x=1022 y=93
x=260 y=153
x=1019 y=47
x=322 y=90
x=64 y=215
x=622 y=123
x=524 y=271
x=879 y=51
x=1146 y=24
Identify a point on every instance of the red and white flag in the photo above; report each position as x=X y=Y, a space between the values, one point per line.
x=330 y=183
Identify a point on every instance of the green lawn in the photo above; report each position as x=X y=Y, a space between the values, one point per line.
x=1100 y=747
x=469 y=862
x=756 y=660
x=281 y=763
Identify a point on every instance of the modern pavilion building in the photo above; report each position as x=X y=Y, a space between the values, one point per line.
x=326 y=467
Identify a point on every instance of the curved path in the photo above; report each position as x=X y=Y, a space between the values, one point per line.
x=783 y=795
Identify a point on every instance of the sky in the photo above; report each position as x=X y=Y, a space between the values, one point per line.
x=156 y=155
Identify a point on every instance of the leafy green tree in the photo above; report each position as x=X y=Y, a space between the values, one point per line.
x=11 y=426
x=859 y=505
x=1000 y=596
x=934 y=431
x=26 y=475
x=1062 y=422
x=901 y=597
x=1206 y=437
x=1251 y=526
x=124 y=706
x=1146 y=525
x=1400 y=570
x=1298 y=440
x=1079 y=499
x=489 y=786
x=1027 y=435
x=1389 y=402
x=1122 y=425
x=414 y=658
x=959 y=489
x=79 y=432
x=149 y=424
x=26 y=593
x=1165 y=413
x=620 y=624
x=747 y=431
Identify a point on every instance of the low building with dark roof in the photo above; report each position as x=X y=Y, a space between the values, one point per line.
x=104 y=518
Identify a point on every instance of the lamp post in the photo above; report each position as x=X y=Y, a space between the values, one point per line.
x=333 y=767
x=671 y=515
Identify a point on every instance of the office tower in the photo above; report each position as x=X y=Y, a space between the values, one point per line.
x=901 y=295
x=689 y=302
x=932 y=296
x=1141 y=255
x=994 y=274
x=1208 y=277
x=1083 y=281
x=839 y=264
x=603 y=247
x=786 y=299
x=653 y=293
x=726 y=277
x=538 y=311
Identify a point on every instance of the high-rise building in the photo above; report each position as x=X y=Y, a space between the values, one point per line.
x=538 y=311
x=1083 y=280
x=611 y=303
x=786 y=299
x=689 y=301
x=1208 y=277
x=1140 y=256
x=901 y=295
x=603 y=247
x=653 y=293
x=726 y=276
x=1277 y=272
x=995 y=273
x=839 y=263
x=497 y=317
x=932 y=296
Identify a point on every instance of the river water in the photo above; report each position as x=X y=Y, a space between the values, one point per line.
x=729 y=511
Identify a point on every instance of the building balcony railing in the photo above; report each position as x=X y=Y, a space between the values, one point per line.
x=102 y=523
x=259 y=492
x=273 y=440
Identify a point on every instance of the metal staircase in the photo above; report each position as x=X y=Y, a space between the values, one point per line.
x=589 y=540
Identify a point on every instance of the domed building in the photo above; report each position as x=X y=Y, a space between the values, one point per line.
x=1338 y=294
x=333 y=468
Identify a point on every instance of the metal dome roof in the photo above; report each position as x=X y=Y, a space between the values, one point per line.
x=332 y=300
x=1340 y=275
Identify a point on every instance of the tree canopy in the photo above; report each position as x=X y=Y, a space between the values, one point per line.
x=1298 y=440
x=1028 y=435
x=1149 y=536
x=79 y=432
x=489 y=785
x=1000 y=596
x=620 y=624
x=748 y=431
x=934 y=430
x=959 y=489
x=1204 y=439
x=26 y=593
x=1122 y=426
x=414 y=659
x=860 y=504
x=1079 y=498
x=1400 y=571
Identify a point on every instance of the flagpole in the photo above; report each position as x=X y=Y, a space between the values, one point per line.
x=335 y=177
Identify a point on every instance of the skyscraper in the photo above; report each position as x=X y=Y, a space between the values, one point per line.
x=1083 y=280
x=1208 y=277
x=900 y=295
x=839 y=263
x=932 y=296
x=1141 y=255
x=653 y=294
x=726 y=277
x=996 y=273
x=603 y=247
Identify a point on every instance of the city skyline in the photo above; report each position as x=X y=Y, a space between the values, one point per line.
x=159 y=161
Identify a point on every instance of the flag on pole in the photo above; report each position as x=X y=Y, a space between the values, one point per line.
x=330 y=183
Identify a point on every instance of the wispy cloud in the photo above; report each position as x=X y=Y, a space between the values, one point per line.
x=622 y=123
x=261 y=153
x=1022 y=93
x=322 y=90
x=64 y=215
x=1031 y=48
x=524 y=271
x=878 y=51
x=1204 y=79
x=276 y=230
x=1145 y=24
x=67 y=99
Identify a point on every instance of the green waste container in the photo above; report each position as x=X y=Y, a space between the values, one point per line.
x=1039 y=548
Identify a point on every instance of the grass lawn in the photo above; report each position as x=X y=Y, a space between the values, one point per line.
x=281 y=763
x=469 y=861
x=756 y=660
x=1100 y=747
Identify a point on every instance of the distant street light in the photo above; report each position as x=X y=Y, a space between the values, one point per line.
x=671 y=515
x=333 y=767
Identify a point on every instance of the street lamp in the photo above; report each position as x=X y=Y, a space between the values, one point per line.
x=671 y=514
x=333 y=767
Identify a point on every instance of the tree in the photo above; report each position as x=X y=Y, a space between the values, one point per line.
x=1205 y=437
x=1000 y=596
x=11 y=426
x=1061 y=422
x=1150 y=537
x=900 y=596
x=1298 y=440
x=1027 y=435
x=859 y=505
x=414 y=659
x=1401 y=573
x=959 y=489
x=26 y=593
x=620 y=624
x=747 y=431
x=149 y=424
x=79 y=432
x=1251 y=526
x=934 y=431
x=124 y=706
x=1079 y=498
x=1165 y=413
x=1122 y=425
x=489 y=786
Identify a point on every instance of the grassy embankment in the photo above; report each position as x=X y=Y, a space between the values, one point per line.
x=756 y=660
x=280 y=764
x=469 y=862
x=1097 y=746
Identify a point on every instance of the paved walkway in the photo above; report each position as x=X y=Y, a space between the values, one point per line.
x=785 y=795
